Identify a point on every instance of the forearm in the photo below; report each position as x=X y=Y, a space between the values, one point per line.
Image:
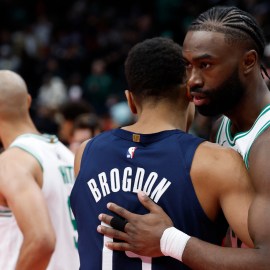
x=200 y=255
x=34 y=255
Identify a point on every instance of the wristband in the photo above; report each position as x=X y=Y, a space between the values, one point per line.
x=173 y=243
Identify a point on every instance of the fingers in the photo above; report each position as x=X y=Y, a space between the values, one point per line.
x=105 y=218
x=112 y=233
x=147 y=202
x=118 y=223
x=122 y=212
x=119 y=246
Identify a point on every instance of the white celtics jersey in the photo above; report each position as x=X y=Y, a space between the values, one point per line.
x=11 y=239
x=243 y=141
x=56 y=162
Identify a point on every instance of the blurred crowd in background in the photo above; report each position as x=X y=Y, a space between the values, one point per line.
x=71 y=54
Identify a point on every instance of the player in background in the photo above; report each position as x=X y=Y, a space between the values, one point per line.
x=37 y=229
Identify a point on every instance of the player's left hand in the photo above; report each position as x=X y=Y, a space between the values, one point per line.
x=142 y=233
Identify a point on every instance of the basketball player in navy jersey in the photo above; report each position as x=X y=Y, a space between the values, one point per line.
x=156 y=155
x=223 y=50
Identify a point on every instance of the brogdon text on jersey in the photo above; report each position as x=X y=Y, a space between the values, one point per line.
x=132 y=180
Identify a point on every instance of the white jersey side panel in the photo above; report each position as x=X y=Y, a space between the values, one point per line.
x=56 y=162
x=11 y=239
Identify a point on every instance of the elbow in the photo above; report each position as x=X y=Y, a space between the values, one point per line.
x=45 y=245
x=36 y=250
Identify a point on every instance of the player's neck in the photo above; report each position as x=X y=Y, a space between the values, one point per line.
x=152 y=120
x=247 y=111
x=10 y=131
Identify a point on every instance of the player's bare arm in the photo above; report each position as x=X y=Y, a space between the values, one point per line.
x=20 y=187
x=259 y=213
x=258 y=222
x=224 y=171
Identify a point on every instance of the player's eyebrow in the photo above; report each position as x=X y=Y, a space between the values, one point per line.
x=200 y=57
x=203 y=56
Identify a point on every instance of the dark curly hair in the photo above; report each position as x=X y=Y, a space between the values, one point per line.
x=154 y=68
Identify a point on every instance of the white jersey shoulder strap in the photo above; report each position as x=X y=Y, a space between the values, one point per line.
x=243 y=141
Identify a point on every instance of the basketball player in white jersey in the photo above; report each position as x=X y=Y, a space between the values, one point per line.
x=37 y=229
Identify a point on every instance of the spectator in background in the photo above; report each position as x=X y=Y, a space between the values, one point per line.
x=121 y=114
x=68 y=112
x=52 y=94
x=98 y=85
x=88 y=30
x=85 y=127
x=75 y=90
x=8 y=60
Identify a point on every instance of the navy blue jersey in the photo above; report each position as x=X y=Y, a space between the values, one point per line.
x=117 y=164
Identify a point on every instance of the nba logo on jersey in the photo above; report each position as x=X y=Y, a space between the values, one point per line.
x=131 y=152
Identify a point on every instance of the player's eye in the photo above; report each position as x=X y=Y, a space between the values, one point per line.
x=204 y=65
x=188 y=66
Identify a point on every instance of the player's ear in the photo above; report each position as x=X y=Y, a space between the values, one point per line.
x=249 y=61
x=131 y=102
x=29 y=101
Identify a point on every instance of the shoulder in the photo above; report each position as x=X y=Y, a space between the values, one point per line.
x=17 y=168
x=217 y=173
x=218 y=165
x=17 y=157
x=212 y=153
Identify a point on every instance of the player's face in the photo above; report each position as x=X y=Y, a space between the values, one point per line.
x=212 y=72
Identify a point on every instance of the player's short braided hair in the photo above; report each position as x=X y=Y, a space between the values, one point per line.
x=236 y=24
x=231 y=21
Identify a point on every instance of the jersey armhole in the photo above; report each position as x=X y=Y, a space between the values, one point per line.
x=38 y=159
